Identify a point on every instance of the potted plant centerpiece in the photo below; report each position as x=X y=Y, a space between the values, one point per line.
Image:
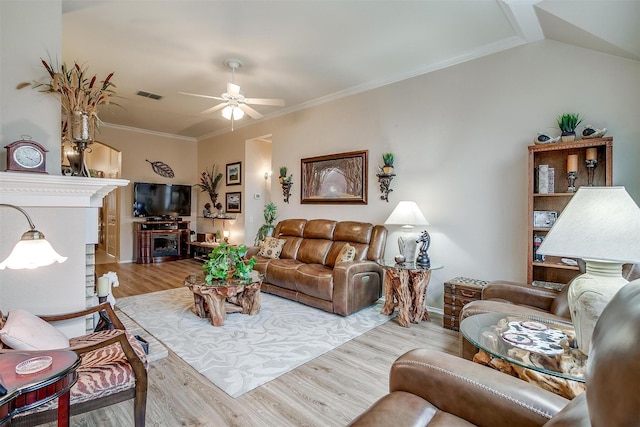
x=568 y=124
x=270 y=213
x=227 y=263
x=387 y=159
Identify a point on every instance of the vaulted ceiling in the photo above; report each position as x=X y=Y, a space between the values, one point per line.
x=307 y=52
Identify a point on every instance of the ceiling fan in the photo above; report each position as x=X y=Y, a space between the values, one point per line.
x=234 y=104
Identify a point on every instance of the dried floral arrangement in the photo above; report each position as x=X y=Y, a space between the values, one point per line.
x=209 y=181
x=79 y=90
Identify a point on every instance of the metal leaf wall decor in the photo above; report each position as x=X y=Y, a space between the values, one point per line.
x=162 y=169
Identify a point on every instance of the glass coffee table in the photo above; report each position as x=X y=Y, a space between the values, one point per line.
x=537 y=344
x=224 y=296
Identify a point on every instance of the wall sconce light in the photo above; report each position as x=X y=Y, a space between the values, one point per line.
x=32 y=251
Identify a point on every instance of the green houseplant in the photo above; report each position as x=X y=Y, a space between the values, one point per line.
x=209 y=181
x=568 y=124
x=387 y=159
x=270 y=213
x=226 y=262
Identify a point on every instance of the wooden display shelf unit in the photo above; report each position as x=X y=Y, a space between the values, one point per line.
x=552 y=269
x=160 y=241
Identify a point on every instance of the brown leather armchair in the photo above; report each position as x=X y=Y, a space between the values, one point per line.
x=436 y=389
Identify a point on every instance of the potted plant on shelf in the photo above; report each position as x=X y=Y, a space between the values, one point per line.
x=270 y=213
x=568 y=124
x=387 y=158
x=226 y=263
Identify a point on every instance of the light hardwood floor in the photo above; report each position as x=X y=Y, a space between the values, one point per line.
x=330 y=390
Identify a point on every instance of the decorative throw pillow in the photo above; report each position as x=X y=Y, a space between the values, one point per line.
x=346 y=254
x=271 y=247
x=24 y=331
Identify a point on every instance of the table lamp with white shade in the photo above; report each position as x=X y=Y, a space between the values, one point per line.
x=600 y=225
x=407 y=214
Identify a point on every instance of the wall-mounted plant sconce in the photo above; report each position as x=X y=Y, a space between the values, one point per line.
x=385 y=176
x=385 y=183
x=286 y=182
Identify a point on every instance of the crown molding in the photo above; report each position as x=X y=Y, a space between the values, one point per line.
x=42 y=190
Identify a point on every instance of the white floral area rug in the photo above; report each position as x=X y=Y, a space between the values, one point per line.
x=247 y=351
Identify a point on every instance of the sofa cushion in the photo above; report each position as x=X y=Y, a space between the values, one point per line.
x=25 y=331
x=313 y=251
x=315 y=280
x=350 y=231
x=271 y=247
x=282 y=272
x=319 y=229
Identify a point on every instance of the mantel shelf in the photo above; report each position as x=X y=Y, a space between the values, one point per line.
x=31 y=189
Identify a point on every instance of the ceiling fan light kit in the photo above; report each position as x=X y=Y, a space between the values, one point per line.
x=234 y=105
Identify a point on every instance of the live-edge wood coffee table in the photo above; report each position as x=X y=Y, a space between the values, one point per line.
x=222 y=297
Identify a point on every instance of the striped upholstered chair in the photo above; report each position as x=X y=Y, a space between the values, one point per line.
x=113 y=369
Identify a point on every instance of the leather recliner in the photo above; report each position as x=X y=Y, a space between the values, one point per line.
x=430 y=388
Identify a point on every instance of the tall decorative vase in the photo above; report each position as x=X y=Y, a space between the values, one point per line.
x=81 y=133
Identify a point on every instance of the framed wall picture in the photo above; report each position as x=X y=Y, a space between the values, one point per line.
x=234 y=173
x=544 y=219
x=234 y=202
x=335 y=178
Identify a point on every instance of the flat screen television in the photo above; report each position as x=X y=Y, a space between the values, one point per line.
x=161 y=200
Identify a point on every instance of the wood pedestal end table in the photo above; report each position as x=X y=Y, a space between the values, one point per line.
x=216 y=300
x=44 y=376
x=405 y=287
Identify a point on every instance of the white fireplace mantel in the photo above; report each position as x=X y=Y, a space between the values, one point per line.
x=31 y=189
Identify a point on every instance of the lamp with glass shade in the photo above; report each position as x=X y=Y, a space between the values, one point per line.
x=32 y=251
x=600 y=225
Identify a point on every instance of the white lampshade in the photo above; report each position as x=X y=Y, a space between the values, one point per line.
x=32 y=253
x=406 y=213
x=599 y=223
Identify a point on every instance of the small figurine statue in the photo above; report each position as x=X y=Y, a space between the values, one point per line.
x=207 y=210
x=545 y=139
x=423 y=258
x=592 y=132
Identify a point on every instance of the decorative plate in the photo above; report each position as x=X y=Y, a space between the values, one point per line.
x=534 y=326
x=535 y=337
x=569 y=261
x=33 y=365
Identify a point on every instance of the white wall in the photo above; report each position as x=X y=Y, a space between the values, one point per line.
x=460 y=138
x=257 y=161
x=28 y=31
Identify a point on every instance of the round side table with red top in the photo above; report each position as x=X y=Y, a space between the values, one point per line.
x=40 y=380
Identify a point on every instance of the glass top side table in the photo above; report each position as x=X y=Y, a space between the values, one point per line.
x=534 y=343
x=405 y=287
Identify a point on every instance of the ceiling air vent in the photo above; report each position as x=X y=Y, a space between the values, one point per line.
x=149 y=95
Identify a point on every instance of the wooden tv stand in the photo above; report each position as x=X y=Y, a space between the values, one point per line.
x=160 y=241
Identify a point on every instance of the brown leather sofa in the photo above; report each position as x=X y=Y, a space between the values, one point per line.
x=525 y=299
x=437 y=389
x=307 y=272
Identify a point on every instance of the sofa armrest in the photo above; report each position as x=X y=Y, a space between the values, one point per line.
x=343 y=281
x=252 y=251
x=451 y=383
x=520 y=294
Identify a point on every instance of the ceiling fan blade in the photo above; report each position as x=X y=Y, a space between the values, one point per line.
x=250 y=111
x=202 y=96
x=233 y=89
x=265 y=101
x=215 y=108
